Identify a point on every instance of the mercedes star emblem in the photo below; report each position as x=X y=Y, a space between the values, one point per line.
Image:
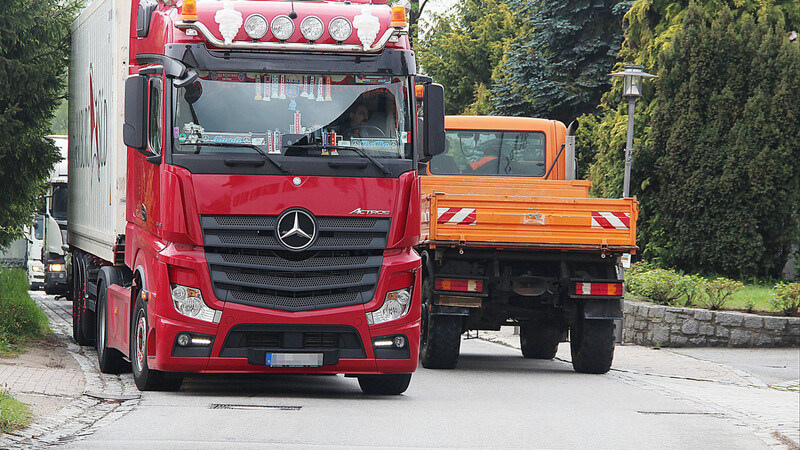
x=296 y=229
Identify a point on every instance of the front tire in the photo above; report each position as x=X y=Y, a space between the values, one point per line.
x=109 y=359
x=440 y=342
x=146 y=378
x=539 y=340
x=393 y=384
x=592 y=345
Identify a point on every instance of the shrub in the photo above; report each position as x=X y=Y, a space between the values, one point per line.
x=693 y=288
x=786 y=298
x=20 y=317
x=632 y=273
x=720 y=290
x=659 y=285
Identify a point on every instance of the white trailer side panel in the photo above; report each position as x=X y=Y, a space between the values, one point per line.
x=97 y=155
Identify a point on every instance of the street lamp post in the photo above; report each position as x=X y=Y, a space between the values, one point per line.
x=632 y=89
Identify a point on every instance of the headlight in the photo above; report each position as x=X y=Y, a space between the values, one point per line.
x=256 y=26
x=396 y=305
x=282 y=27
x=311 y=28
x=189 y=302
x=340 y=29
x=56 y=267
x=37 y=269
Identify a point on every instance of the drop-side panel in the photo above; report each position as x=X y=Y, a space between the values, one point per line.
x=97 y=155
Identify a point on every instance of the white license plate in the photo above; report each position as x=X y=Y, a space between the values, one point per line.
x=294 y=359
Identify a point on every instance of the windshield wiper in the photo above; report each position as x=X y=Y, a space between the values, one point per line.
x=345 y=147
x=244 y=145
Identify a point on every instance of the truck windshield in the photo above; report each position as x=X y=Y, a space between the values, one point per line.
x=491 y=153
x=287 y=115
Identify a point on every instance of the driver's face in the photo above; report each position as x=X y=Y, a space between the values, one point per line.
x=360 y=115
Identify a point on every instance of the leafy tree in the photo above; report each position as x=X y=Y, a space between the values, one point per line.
x=462 y=49
x=34 y=49
x=560 y=69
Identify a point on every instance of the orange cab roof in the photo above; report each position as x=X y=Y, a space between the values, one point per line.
x=496 y=123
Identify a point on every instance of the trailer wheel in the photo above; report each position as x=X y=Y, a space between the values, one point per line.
x=146 y=379
x=82 y=330
x=109 y=359
x=539 y=340
x=592 y=345
x=392 y=384
x=440 y=342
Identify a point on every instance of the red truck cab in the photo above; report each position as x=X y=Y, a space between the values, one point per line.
x=271 y=199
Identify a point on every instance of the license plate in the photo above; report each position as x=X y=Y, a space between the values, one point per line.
x=294 y=359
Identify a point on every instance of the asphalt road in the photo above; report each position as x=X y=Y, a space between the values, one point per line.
x=494 y=399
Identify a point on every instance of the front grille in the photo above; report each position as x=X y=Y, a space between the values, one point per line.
x=249 y=266
x=243 y=339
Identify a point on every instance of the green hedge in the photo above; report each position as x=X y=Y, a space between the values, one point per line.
x=20 y=317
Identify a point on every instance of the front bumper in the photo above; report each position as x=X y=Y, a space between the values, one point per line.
x=162 y=346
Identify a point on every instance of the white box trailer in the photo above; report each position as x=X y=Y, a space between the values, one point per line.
x=97 y=155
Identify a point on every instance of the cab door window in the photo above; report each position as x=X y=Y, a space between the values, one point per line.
x=155 y=117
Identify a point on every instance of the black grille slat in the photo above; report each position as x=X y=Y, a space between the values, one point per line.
x=277 y=263
x=293 y=284
x=248 y=264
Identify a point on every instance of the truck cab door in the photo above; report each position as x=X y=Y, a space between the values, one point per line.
x=147 y=163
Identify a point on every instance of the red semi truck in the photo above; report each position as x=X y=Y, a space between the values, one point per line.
x=244 y=194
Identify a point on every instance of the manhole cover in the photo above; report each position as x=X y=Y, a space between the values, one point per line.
x=255 y=407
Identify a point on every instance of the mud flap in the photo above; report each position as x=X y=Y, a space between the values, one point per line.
x=606 y=309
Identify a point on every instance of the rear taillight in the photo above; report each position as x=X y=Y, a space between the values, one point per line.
x=456 y=284
x=601 y=289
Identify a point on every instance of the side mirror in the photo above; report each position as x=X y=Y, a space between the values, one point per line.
x=433 y=122
x=134 y=132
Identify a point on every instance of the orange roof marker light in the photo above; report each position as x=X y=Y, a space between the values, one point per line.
x=189 y=11
x=398 y=17
x=419 y=91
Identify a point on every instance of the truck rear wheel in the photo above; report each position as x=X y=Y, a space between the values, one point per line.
x=592 y=345
x=82 y=323
x=392 y=384
x=440 y=342
x=539 y=340
x=109 y=359
x=146 y=379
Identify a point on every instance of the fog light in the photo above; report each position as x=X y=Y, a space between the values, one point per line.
x=56 y=267
x=184 y=339
x=399 y=341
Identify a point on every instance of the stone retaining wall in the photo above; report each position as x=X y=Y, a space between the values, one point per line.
x=665 y=326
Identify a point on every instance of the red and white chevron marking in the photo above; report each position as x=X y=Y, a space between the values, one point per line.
x=457 y=216
x=611 y=220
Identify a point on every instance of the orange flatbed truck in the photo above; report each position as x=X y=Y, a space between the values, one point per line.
x=509 y=237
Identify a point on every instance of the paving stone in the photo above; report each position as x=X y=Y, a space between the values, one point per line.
x=690 y=327
x=753 y=321
x=775 y=323
x=729 y=319
x=702 y=314
x=706 y=329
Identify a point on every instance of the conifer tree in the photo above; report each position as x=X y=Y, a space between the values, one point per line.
x=560 y=69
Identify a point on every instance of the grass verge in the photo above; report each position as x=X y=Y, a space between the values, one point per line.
x=13 y=413
x=21 y=320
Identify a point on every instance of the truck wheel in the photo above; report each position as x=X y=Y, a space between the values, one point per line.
x=440 y=341
x=80 y=326
x=539 y=340
x=394 y=384
x=592 y=345
x=146 y=379
x=109 y=359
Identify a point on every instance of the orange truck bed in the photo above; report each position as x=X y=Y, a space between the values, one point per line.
x=523 y=212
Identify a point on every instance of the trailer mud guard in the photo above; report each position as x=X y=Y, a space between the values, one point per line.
x=439 y=310
x=603 y=309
